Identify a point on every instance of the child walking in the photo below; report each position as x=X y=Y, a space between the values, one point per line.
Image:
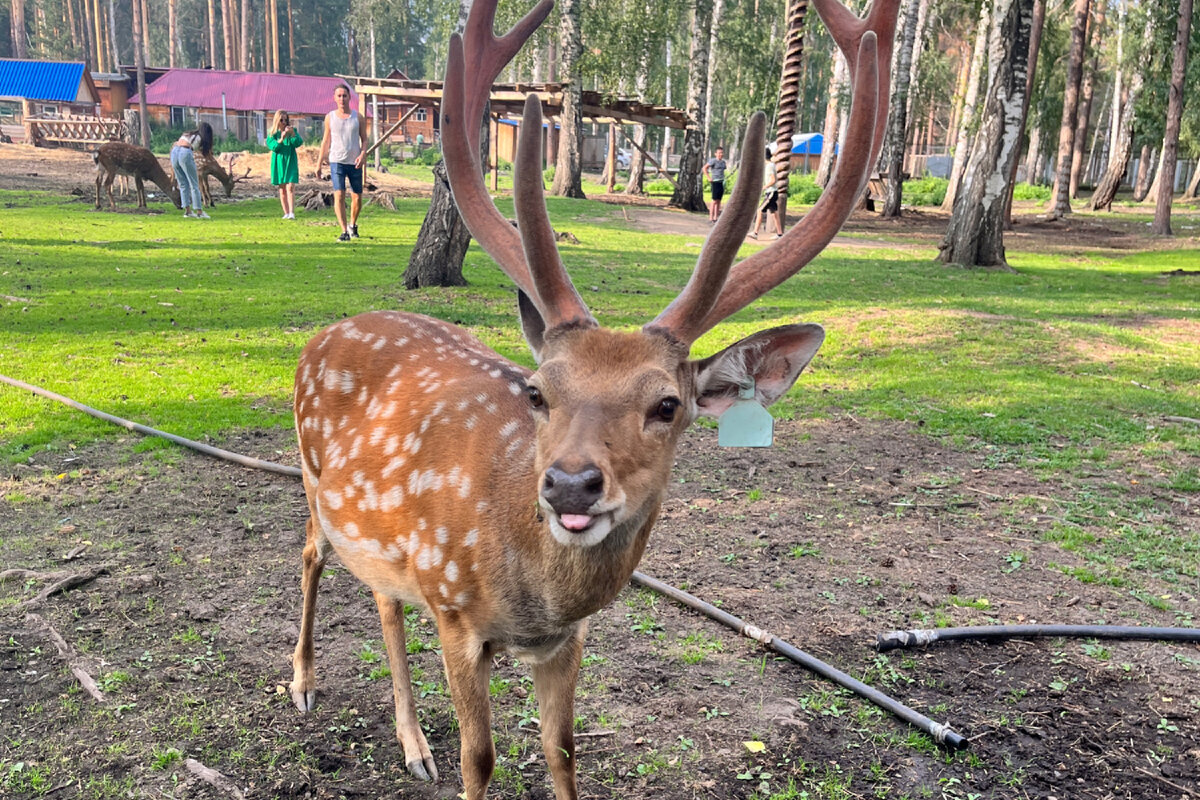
x=285 y=166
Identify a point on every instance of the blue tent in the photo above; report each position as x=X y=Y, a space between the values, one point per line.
x=809 y=144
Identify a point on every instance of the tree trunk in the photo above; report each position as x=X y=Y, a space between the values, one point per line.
x=244 y=32
x=115 y=64
x=1193 y=186
x=171 y=32
x=962 y=139
x=437 y=255
x=227 y=32
x=789 y=99
x=212 y=34
x=1166 y=191
x=1035 y=43
x=1141 y=187
x=710 y=81
x=1031 y=161
x=145 y=29
x=568 y=170
x=1152 y=192
x=1122 y=146
x=139 y=60
x=1118 y=78
x=1086 y=90
x=829 y=135
x=19 y=35
x=666 y=141
x=637 y=163
x=898 y=114
x=689 y=188
x=975 y=236
x=914 y=61
x=1061 y=198
x=291 y=41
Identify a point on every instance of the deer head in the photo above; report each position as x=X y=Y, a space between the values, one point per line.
x=514 y=504
x=599 y=395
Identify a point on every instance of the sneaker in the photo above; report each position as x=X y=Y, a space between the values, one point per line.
x=285 y=216
x=353 y=231
x=345 y=237
x=290 y=215
x=754 y=235
x=202 y=215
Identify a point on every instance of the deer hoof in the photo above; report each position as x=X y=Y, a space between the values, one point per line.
x=305 y=701
x=423 y=769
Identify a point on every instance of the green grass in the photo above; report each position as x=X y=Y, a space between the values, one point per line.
x=196 y=327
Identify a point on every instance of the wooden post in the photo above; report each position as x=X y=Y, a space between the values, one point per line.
x=494 y=121
x=649 y=157
x=612 y=156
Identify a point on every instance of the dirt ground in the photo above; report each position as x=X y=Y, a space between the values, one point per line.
x=182 y=594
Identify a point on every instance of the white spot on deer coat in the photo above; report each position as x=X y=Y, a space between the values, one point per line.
x=451 y=571
x=333 y=499
x=391 y=499
x=471 y=538
x=508 y=429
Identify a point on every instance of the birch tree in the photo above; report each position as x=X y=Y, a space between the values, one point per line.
x=568 y=172
x=898 y=113
x=689 y=188
x=962 y=138
x=1122 y=147
x=975 y=236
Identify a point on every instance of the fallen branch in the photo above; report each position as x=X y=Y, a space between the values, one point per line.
x=1188 y=420
x=30 y=575
x=211 y=776
x=1173 y=785
x=69 y=581
x=68 y=653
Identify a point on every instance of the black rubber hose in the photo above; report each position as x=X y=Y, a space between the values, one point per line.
x=920 y=638
x=942 y=734
x=216 y=452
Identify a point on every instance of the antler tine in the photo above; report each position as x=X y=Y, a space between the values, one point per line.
x=556 y=297
x=847 y=31
x=462 y=109
x=681 y=319
x=766 y=269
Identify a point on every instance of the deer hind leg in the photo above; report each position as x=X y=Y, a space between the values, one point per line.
x=141 y=192
x=554 y=683
x=468 y=663
x=304 y=682
x=108 y=182
x=417 y=755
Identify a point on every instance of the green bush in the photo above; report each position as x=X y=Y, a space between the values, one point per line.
x=658 y=186
x=803 y=189
x=427 y=157
x=927 y=191
x=1025 y=191
x=548 y=175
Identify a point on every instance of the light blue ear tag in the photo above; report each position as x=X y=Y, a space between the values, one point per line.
x=746 y=423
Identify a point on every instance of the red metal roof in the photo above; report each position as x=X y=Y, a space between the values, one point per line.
x=246 y=91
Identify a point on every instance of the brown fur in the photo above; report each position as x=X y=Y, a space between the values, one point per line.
x=121 y=158
x=208 y=166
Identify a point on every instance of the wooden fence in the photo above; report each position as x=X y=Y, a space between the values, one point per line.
x=87 y=132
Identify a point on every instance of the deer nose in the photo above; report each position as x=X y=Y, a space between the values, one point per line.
x=572 y=492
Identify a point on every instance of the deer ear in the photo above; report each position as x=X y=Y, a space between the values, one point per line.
x=532 y=325
x=772 y=358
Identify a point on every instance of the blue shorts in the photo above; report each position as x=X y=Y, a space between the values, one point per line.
x=339 y=173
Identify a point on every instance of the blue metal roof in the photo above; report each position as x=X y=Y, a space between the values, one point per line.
x=41 y=80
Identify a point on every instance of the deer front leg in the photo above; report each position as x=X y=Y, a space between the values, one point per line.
x=468 y=663
x=554 y=683
x=417 y=755
x=112 y=203
x=141 y=192
x=304 y=682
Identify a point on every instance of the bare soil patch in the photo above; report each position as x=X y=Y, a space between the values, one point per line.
x=843 y=530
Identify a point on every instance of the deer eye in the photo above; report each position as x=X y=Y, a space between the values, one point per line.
x=666 y=409
x=535 y=397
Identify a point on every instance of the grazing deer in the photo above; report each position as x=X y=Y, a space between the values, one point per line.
x=208 y=166
x=121 y=158
x=514 y=504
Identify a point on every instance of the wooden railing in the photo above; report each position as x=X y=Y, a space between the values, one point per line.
x=73 y=131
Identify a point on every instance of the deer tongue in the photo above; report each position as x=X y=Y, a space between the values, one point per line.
x=575 y=522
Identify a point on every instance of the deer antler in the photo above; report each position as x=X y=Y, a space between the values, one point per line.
x=530 y=258
x=688 y=318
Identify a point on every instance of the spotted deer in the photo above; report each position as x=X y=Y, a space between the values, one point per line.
x=121 y=158
x=207 y=165
x=513 y=504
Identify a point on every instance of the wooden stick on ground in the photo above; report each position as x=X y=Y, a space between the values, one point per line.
x=64 y=583
x=68 y=653
x=211 y=776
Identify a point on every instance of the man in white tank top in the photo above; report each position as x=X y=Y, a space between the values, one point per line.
x=343 y=148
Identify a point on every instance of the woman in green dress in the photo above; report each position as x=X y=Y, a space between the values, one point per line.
x=285 y=166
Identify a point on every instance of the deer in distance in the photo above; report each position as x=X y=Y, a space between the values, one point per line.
x=207 y=165
x=514 y=504
x=121 y=158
